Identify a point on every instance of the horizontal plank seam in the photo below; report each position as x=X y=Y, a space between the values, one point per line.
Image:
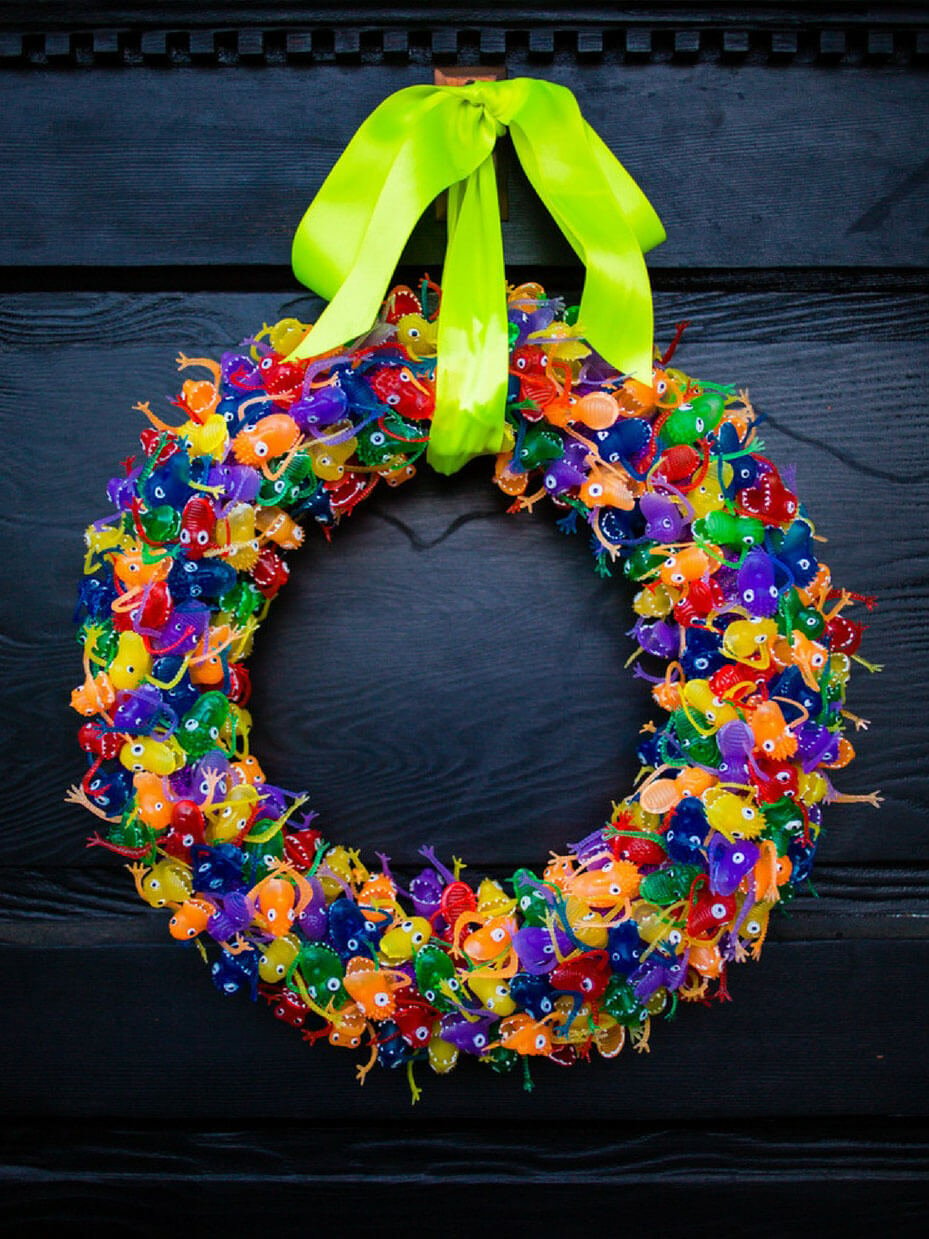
x=263 y=278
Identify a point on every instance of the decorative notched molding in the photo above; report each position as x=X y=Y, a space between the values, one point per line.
x=853 y=43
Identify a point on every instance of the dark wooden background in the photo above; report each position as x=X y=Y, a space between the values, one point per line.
x=444 y=673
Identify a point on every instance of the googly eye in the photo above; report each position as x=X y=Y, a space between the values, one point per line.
x=332 y=984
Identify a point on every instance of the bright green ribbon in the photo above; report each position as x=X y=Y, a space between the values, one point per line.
x=424 y=139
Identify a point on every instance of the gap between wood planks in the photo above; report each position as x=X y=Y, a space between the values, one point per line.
x=274 y=279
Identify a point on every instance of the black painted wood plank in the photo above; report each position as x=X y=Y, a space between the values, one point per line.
x=746 y=165
x=779 y=1208
x=790 y=1178
x=229 y=12
x=818 y=1029
x=490 y=630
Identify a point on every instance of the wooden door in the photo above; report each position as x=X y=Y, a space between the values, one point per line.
x=444 y=673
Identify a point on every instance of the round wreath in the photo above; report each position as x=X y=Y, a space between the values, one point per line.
x=739 y=632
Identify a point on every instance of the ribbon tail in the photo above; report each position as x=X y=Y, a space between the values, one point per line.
x=473 y=350
x=605 y=217
x=416 y=143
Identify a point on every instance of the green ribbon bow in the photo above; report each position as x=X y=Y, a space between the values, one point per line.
x=425 y=139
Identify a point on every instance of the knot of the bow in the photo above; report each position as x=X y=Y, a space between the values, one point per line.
x=499 y=101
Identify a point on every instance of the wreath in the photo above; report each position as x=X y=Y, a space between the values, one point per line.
x=740 y=633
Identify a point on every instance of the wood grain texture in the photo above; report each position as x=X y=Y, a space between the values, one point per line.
x=217 y=168
x=419 y=674
x=792 y=1178
x=807 y=1011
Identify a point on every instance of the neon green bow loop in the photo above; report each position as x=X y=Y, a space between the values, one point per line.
x=425 y=139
